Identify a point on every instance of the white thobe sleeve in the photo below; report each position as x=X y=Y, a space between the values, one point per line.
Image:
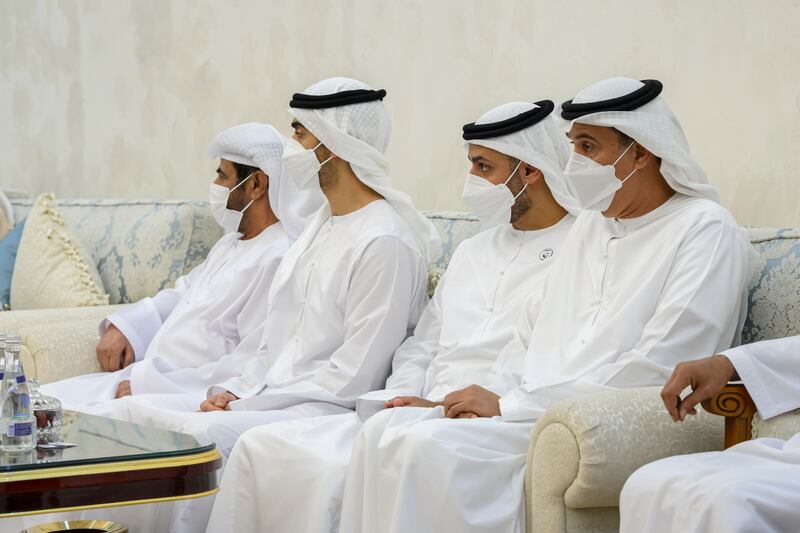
x=141 y=321
x=696 y=315
x=250 y=325
x=250 y=381
x=411 y=360
x=771 y=373
x=383 y=290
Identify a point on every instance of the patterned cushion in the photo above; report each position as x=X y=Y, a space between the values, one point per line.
x=52 y=268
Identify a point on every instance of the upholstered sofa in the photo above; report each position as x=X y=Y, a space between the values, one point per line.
x=139 y=247
x=582 y=449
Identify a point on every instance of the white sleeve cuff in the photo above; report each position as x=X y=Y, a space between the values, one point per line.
x=742 y=361
x=517 y=406
x=235 y=386
x=371 y=403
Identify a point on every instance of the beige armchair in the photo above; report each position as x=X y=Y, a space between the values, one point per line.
x=584 y=448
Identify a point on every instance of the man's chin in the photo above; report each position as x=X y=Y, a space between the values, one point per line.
x=518 y=214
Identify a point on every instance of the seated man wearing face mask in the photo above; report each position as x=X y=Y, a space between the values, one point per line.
x=343 y=299
x=653 y=271
x=185 y=339
x=517 y=152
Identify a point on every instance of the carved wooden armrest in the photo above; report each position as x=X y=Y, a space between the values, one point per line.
x=738 y=408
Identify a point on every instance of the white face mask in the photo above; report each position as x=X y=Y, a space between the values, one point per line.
x=491 y=203
x=594 y=185
x=228 y=219
x=302 y=165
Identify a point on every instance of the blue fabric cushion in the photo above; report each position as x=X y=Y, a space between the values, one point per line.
x=8 y=255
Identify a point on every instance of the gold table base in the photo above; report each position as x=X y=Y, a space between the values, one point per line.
x=87 y=526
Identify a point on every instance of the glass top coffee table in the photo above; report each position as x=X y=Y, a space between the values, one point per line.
x=114 y=463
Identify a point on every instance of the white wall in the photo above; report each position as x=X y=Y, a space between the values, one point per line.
x=119 y=99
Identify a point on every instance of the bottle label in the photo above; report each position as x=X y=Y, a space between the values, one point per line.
x=21 y=378
x=20 y=429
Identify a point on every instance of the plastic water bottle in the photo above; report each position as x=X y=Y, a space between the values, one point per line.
x=19 y=425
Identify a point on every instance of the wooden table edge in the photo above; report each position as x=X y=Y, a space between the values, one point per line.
x=114 y=466
x=208 y=457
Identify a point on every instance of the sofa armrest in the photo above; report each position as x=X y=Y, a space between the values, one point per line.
x=782 y=427
x=12 y=321
x=57 y=343
x=583 y=449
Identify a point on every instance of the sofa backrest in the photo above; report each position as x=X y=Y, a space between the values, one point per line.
x=142 y=246
x=774 y=293
x=453 y=227
x=139 y=247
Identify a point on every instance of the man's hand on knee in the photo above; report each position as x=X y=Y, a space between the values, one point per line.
x=472 y=402
x=218 y=402
x=409 y=401
x=124 y=389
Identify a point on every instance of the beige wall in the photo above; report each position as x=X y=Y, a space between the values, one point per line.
x=119 y=98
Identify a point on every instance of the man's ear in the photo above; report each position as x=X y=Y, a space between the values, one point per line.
x=259 y=184
x=530 y=175
x=642 y=156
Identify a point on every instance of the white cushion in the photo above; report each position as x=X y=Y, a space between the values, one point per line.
x=53 y=268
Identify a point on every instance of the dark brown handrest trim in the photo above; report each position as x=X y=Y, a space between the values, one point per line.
x=738 y=408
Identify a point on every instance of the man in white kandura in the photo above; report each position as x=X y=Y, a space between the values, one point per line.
x=204 y=329
x=654 y=269
x=751 y=487
x=517 y=189
x=344 y=297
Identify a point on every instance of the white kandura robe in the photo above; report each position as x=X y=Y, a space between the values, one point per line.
x=302 y=464
x=185 y=339
x=201 y=331
x=343 y=300
x=624 y=302
x=751 y=487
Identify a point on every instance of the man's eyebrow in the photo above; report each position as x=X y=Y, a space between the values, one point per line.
x=584 y=136
x=296 y=124
x=478 y=159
